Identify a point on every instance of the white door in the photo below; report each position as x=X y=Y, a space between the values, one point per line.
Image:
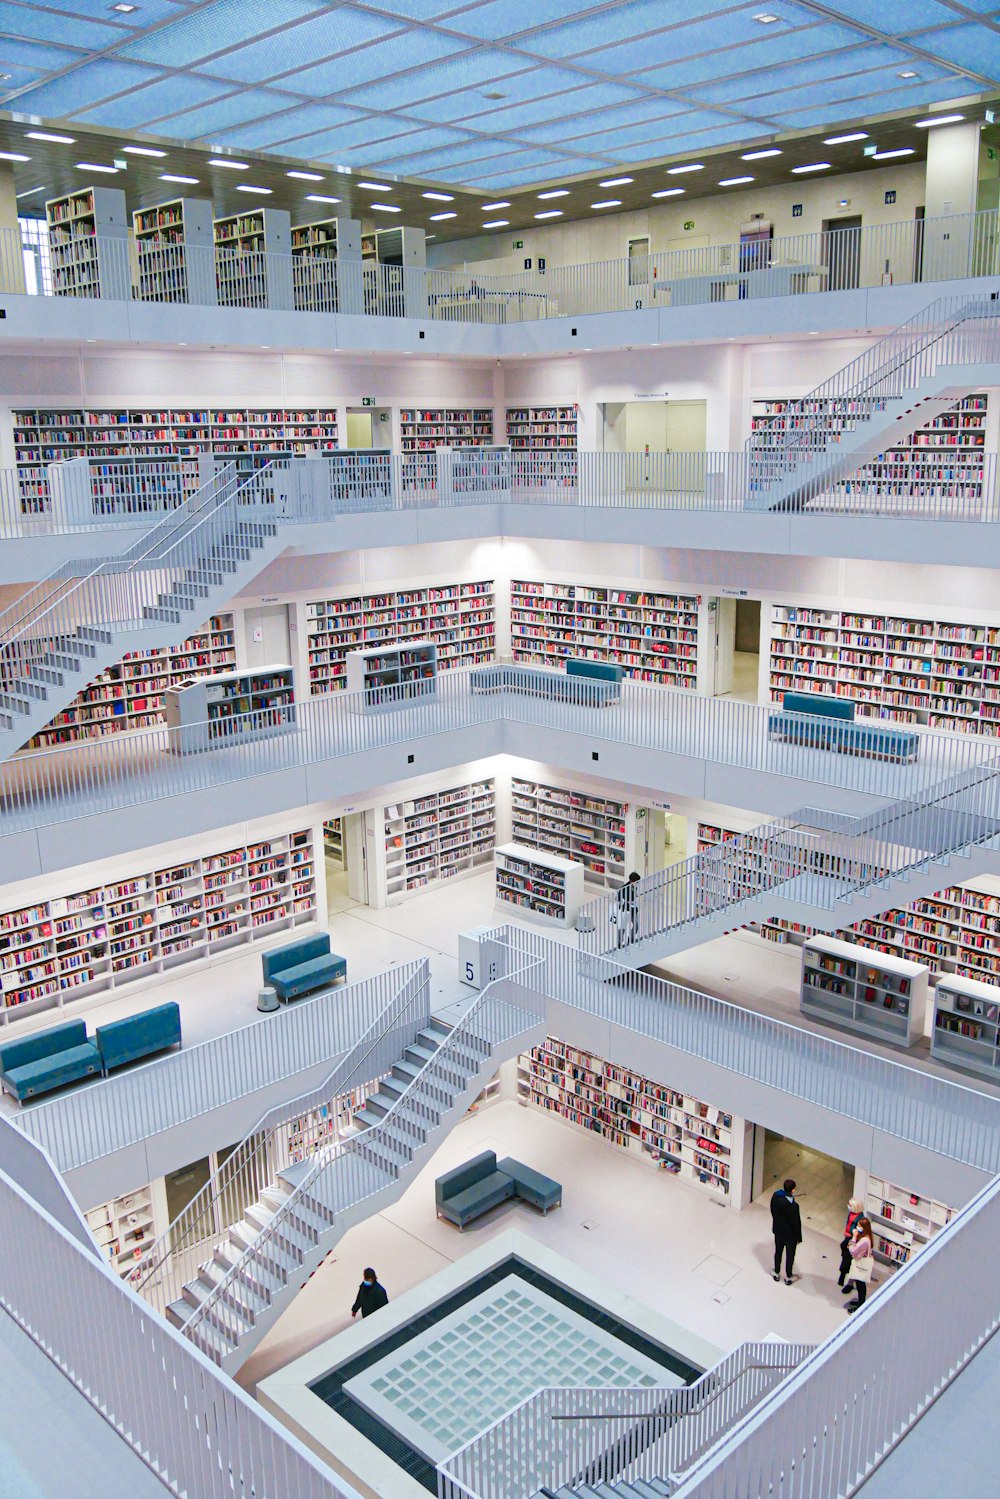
x=267 y=636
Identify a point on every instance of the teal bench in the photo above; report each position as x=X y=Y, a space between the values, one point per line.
x=49 y=1059
x=468 y=1191
x=808 y=718
x=136 y=1036
x=598 y=671
x=300 y=967
x=583 y=689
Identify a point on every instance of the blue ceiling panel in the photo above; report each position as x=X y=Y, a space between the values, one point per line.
x=378 y=61
x=618 y=24
x=83 y=87
x=304 y=119
x=499 y=19
x=970 y=46
x=225 y=114
x=417 y=10
x=36 y=55
x=912 y=95
x=146 y=13
x=841 y=65
x=75 y=31
x=132 y=111
x=758 y=56
x=225 y=24
x=655 y=108
x=323 y=36
x=859 y=87
x=345 y=138
x=557 y=109
x=491 y=181
x=473 y=69
x=898 y=15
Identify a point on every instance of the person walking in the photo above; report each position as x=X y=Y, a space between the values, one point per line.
x=628 y=910
x=370 y=1295
x=855 y=1207
x=786 y=1225
x=862 y=1260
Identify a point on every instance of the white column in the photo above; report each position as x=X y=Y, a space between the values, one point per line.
x=952 y=187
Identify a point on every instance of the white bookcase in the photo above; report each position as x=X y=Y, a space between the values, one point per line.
x=653 y=636
x=125 y=1228
x=395 y=675
x=423 y=429
x=902 y=1221
x=88 y=244
x=174 y=247
x=872 y=994
x=442 y=835
x=967 y=1025
x=231 y=708
x=540 y=886
x=253 y=259
x=548 y=436
x=594 y=831
x=326 y=265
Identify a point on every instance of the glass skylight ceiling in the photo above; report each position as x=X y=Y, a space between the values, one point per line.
x=468 y=95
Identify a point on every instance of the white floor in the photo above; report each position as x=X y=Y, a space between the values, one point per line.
x=703 y=1265
x=746 y=678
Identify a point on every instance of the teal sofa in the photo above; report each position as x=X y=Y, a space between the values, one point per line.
x=468 y=1191
x=300 y=967
x=810 y=719
x=596 y=671
x=136 y=1036
x=49 y=1059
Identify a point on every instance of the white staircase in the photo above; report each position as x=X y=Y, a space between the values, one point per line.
x=86 y=615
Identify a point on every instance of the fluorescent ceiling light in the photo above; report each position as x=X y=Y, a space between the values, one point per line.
x=557 y=192
x=234 y=166
x=909 y=73
x=123 y=8
x=553 y=213
x=32 y=191
x=734 y=181
x=437 y=217
x=891 y=155
x=59 y=140
x=375 y=187
x=320 y=198
x=142 y=151
x=93 y=166
x=813 y=166
x=245 y=187
x=938 y=120
x=385 y=207
x=439 y=197
x=669 y=192
x=489 y=207
x=843 y=140
x=169 y=177
x=760 y=155
x=766 y=18
x=696 y=166
x=608 y=203
x=306 y=176
x=13 y=156
x=497 y=224
x=615 y=181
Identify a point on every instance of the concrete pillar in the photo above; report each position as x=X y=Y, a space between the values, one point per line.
x=11 y=257
x=952 y=190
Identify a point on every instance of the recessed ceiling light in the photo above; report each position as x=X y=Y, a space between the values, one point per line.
x=909 y=73
x=669 y=192
x=93 y=166
x=891 y=155
x=437 y=217
x=13 y=156
x=375 y=187
x=843 y=140
x=497 y=224
x=489 y=207
x=320 y=198
x=766 y=17
x=306 y=176
x=169 y=177
x=696 y=166
x=938 y=120
x=385 y=208
x=760 y=155
x=439 y=197
x=608 y=203
x=813 y=166
x=142 y=151
x=615 y=181
x=553 y=213
x=734 y=181
x=245 y=187
x=123 y=8
x=557 y=192
x=59 y=140
x=234 y=166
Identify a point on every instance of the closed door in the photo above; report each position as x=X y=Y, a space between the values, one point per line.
x=359 y=429
x=267 y=636
x=686 y=426
x=842 y=244
x=638 y=261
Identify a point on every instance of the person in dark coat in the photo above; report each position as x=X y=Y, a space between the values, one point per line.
x=628 y=910
x=370 y=1295
x=786 y=1224
x=855 y=1208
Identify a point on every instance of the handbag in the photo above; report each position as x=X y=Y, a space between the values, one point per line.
x=862 y=1268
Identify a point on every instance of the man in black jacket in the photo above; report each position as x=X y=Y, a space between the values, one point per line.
x=370 y=1295
x=786 y=1223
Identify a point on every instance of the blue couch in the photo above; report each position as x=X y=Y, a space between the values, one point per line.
x=808 y=718
x=583 y=688
x=469 y=1191
x=138 y=1036
x=305 y=965
x=597 y=671
x=49 y=1059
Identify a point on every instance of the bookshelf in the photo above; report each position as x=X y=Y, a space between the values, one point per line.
x=443 y=835
x=326 y=265
x=659 y=1125
x=903 y=1222
x=253 y=263
x=131 y=694
x=173 y=243
x=652 y=636
x=845 y=985
x=459 y=618
x=592 y=830
x=422 y=430
x=189 y=435
x=88 y=244
x=391 y=676
x=82 y=944
x=124 y=1228
x=328 y=1122
x=548 y=434
x=966 y=1030
x=231 y=707
x=540 y=885
x=943 y=460
x=333 y=839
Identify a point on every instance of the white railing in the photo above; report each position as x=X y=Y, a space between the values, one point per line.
x=124 y=1110
x=197 y=1432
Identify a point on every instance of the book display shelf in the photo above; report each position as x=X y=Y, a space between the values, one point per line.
x=394 y=676
x=422 y=430
x=592 y=830
x=548 y=434
x=333 y=839
x=542 y=886
x=131 y=694
x=942 y=673
x=88 y=244
x=966 y=1029
x=124 y=1229
x=659 y=1125
x=253 y=258
x=459 y=618
x=444 y=835
x=173 y=243
x=85 y=943
x=234 y=707
x=321 y=1126
x=943 y=460
x=652 y=636
x=317 y=247
x=903 y=1221
x=55 y=436
x=845 y=985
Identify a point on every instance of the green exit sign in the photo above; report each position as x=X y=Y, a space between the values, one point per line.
x=519 y=244
x=368 y=400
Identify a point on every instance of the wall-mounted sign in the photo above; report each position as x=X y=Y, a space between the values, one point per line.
x=870 y=149
x=527 y=262
x=890 y=196
x=383 y=416
x=651 y=395
x=269 y=598
x=796 y=210
x=519 y=244
x=541 y=262
x=689 y=223
x=368 y=400
x=733 y=593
